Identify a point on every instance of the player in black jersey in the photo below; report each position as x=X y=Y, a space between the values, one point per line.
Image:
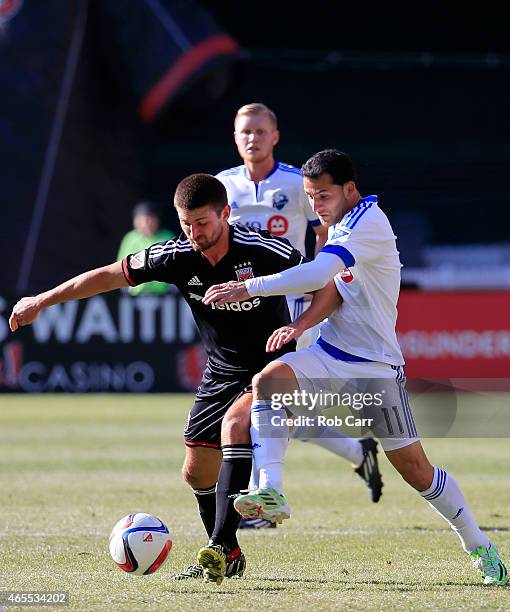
x=210 y=251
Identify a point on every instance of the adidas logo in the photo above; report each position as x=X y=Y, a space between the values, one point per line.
x=194 y=281
x=148 y=537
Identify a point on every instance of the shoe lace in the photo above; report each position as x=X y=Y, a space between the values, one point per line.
x=219 y=548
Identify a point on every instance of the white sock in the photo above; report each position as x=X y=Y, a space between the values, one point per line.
x=445 y=497
x=271 y=475
x=269 y=445
x=254 y=478
x=332 y=440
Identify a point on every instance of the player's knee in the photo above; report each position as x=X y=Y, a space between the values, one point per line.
x=276 y=378
x=190 y=475
x=256 y=383
x=235 y=429
x=262 y=384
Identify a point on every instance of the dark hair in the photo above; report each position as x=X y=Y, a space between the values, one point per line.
x=335 y=163
x=199 y=190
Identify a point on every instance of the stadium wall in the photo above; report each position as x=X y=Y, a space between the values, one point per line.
x=119 y=343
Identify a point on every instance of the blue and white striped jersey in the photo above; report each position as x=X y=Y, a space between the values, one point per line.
x=277 y=204
x=364 y=324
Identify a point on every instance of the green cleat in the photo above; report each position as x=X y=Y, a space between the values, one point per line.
x=213 y=560
x=487 y=561
x=263 y=503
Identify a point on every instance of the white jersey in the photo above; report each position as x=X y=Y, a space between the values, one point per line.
x=364 y=324
x=278 y=203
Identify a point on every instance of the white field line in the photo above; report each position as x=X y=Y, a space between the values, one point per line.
x=246 y=532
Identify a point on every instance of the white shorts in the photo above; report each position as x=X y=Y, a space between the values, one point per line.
x=298 y=305
x=374 y=393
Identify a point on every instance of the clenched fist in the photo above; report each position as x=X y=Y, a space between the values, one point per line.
x=24 y=313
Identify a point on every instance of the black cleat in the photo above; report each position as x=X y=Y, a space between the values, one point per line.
x=369 y=469
x=192 y=571
x=236 y=564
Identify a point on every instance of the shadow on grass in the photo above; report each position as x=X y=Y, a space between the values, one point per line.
x=496 y=529
x=391 y=585
x=246 y=587
x=446 y=530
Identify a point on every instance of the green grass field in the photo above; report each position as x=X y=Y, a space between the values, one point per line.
x=71 y=466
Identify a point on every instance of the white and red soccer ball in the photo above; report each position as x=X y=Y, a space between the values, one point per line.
x=140 y=543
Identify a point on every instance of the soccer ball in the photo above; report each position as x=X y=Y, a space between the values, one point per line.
x=140 y=543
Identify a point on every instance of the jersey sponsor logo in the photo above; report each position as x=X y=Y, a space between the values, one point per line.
x=277 y=225
x=279 y=201
x=8 y=9
x=195 y=281
x=244 y=271
x=239 y=306
x=341 y=234
x=137 y=260
x=346 y=275
x=234 y=306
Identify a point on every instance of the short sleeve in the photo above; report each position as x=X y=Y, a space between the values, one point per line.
x=363 y=243
x=156 y=263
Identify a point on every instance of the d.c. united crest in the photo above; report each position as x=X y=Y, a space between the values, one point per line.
x=244 y=271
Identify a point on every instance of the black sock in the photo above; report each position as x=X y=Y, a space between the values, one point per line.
x=206 y=499
x=234 y=476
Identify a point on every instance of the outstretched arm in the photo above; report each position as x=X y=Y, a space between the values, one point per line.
x=323 y=303
x=85 y=285
x=308 y=277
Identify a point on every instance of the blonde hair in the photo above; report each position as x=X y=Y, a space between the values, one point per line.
x=257 y=108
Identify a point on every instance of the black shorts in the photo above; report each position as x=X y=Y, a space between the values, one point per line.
x=213 y=399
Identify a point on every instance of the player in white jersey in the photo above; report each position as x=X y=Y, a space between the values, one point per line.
x=268 y=195
x=265 y=194
x=357 y=351
x=276 y=203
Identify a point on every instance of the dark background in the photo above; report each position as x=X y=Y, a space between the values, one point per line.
x=418 y=95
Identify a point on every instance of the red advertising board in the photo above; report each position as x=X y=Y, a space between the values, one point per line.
x=455 y=334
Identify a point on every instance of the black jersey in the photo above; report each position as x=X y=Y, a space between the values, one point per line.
x=234 y=334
